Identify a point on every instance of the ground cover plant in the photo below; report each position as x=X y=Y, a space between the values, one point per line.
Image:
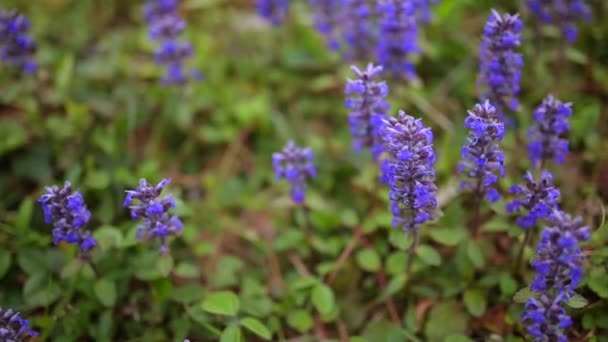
x=323 y=170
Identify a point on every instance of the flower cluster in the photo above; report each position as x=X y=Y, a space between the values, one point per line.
x=368 y=108
x=409 y=170
x=539 y=199
x=166 y=26
x=398 y=37
x=562 y=12
x=274 y=11
x=16 y=46
x=483 y=159
x=546 y=140
x=13 y=327
x=559 y=267
x=66 y=210
x=500 y=66
x=154 y=212
x=327 y=18
x=296 y=165
x=423 y=9
x=359 y=28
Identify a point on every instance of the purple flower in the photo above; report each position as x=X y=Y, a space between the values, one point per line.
x=559 y=268
x=409 y=170
x=483 y=162
x=274 y=11
x=398 y=37
x=66 y=210
x=546 y=134
x=359 y=28
x=154 y=212
x=16 y=47
x=13 y=327
x=166 y=26
x=296 y=165
x=327 y=15
x=561 y=12
x=500 y=66
x=368 y=108
x=539 y=199
x=423 y=9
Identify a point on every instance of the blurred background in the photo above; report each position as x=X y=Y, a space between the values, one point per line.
x=95 y=114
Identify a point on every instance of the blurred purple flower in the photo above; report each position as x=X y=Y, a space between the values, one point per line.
x=154 y=212
x=564 y=13
x=274 y=11
x=546 y=140
x=327 y=16
x=16 y=46
x=296 y=165
x=14 y=328
x=539 y=199
x=398 y=37
x=359 y=26
x=423 y=9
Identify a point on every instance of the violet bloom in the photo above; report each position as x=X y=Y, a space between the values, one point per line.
x=409 y=171
x=327 y=18
x=66 y=210
x=296 y=165
x=368 y=108
x=559 y=267
x=546 y=136
x=359 y=28
x=14 y=328
x=500 y=66
x=398 y=37
x=166 y=27
x=16 y=46
x=564 y=13
x=538 y=198
x=483 y=161
x=423 y=9
x=154 y=212
x=274 y=11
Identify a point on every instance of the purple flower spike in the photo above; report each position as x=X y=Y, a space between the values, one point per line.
x=154 y=212
x=500 y=66
x=546 y=136
x=296 y=165
x=14 y=328
x=483 y=162
x=398 y=37
x=327 y=17
x=16 y=47
x=66 y=210
x=368 y=108
x=559 y=267
x=166 y=27
x=564 y=13
x=539 y=199
x=423 y=9
x=409 y=171
x=359 y=28
x=274 y=11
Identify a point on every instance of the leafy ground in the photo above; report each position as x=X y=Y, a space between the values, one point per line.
x=247 y=266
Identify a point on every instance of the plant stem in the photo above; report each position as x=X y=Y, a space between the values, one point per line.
x=412 y=253
x=521 y=250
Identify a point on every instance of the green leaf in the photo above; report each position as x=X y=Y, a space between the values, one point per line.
x=508 y=285
x=188 y=293
x=5 y=262
x=396 y=263
x=187 y=270
x=32 y=261
x=475 y=254
x=323 y=299
x=224 y=303
x=475 y=302
x=256 y=327
x=577 y=301
x=24 y=215
x=105 y=291
x=300 y=320
x=429 y=255
x=108 y=237
x=523 y=295
x=599 y=284
x=458 y=338
x=164 y=264
x=232 y=333
x=448 y=236
x=369 y=260
x=444 y=319
x=41 y=290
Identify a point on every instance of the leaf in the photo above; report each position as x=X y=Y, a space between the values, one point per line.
x=429 y=255
x=41 y=290
x=475 y=254
x=187 y=293
x=458 y=338
x=164 y=264
x=24 y=215
x=187 y=270
x=577 y=301
x=300 y=320
x=597 y=283
x=448 y=236
x=323 y=299
x=105 y=291
x=232 y=333
x=369 y=260
x=508 y=285
x=32 y=261
x=224 y=303
x=108 y=237
x=475 y=302
x=256 y=327
x=445 y=319
x=523 y=295
x=5 y=262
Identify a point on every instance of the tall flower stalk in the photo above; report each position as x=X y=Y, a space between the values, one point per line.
x=397 y=41
x=546 y=135
x=360 y=28
x=564 y=13
x=328 y=15
x=16 y=46
x=295 y=164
